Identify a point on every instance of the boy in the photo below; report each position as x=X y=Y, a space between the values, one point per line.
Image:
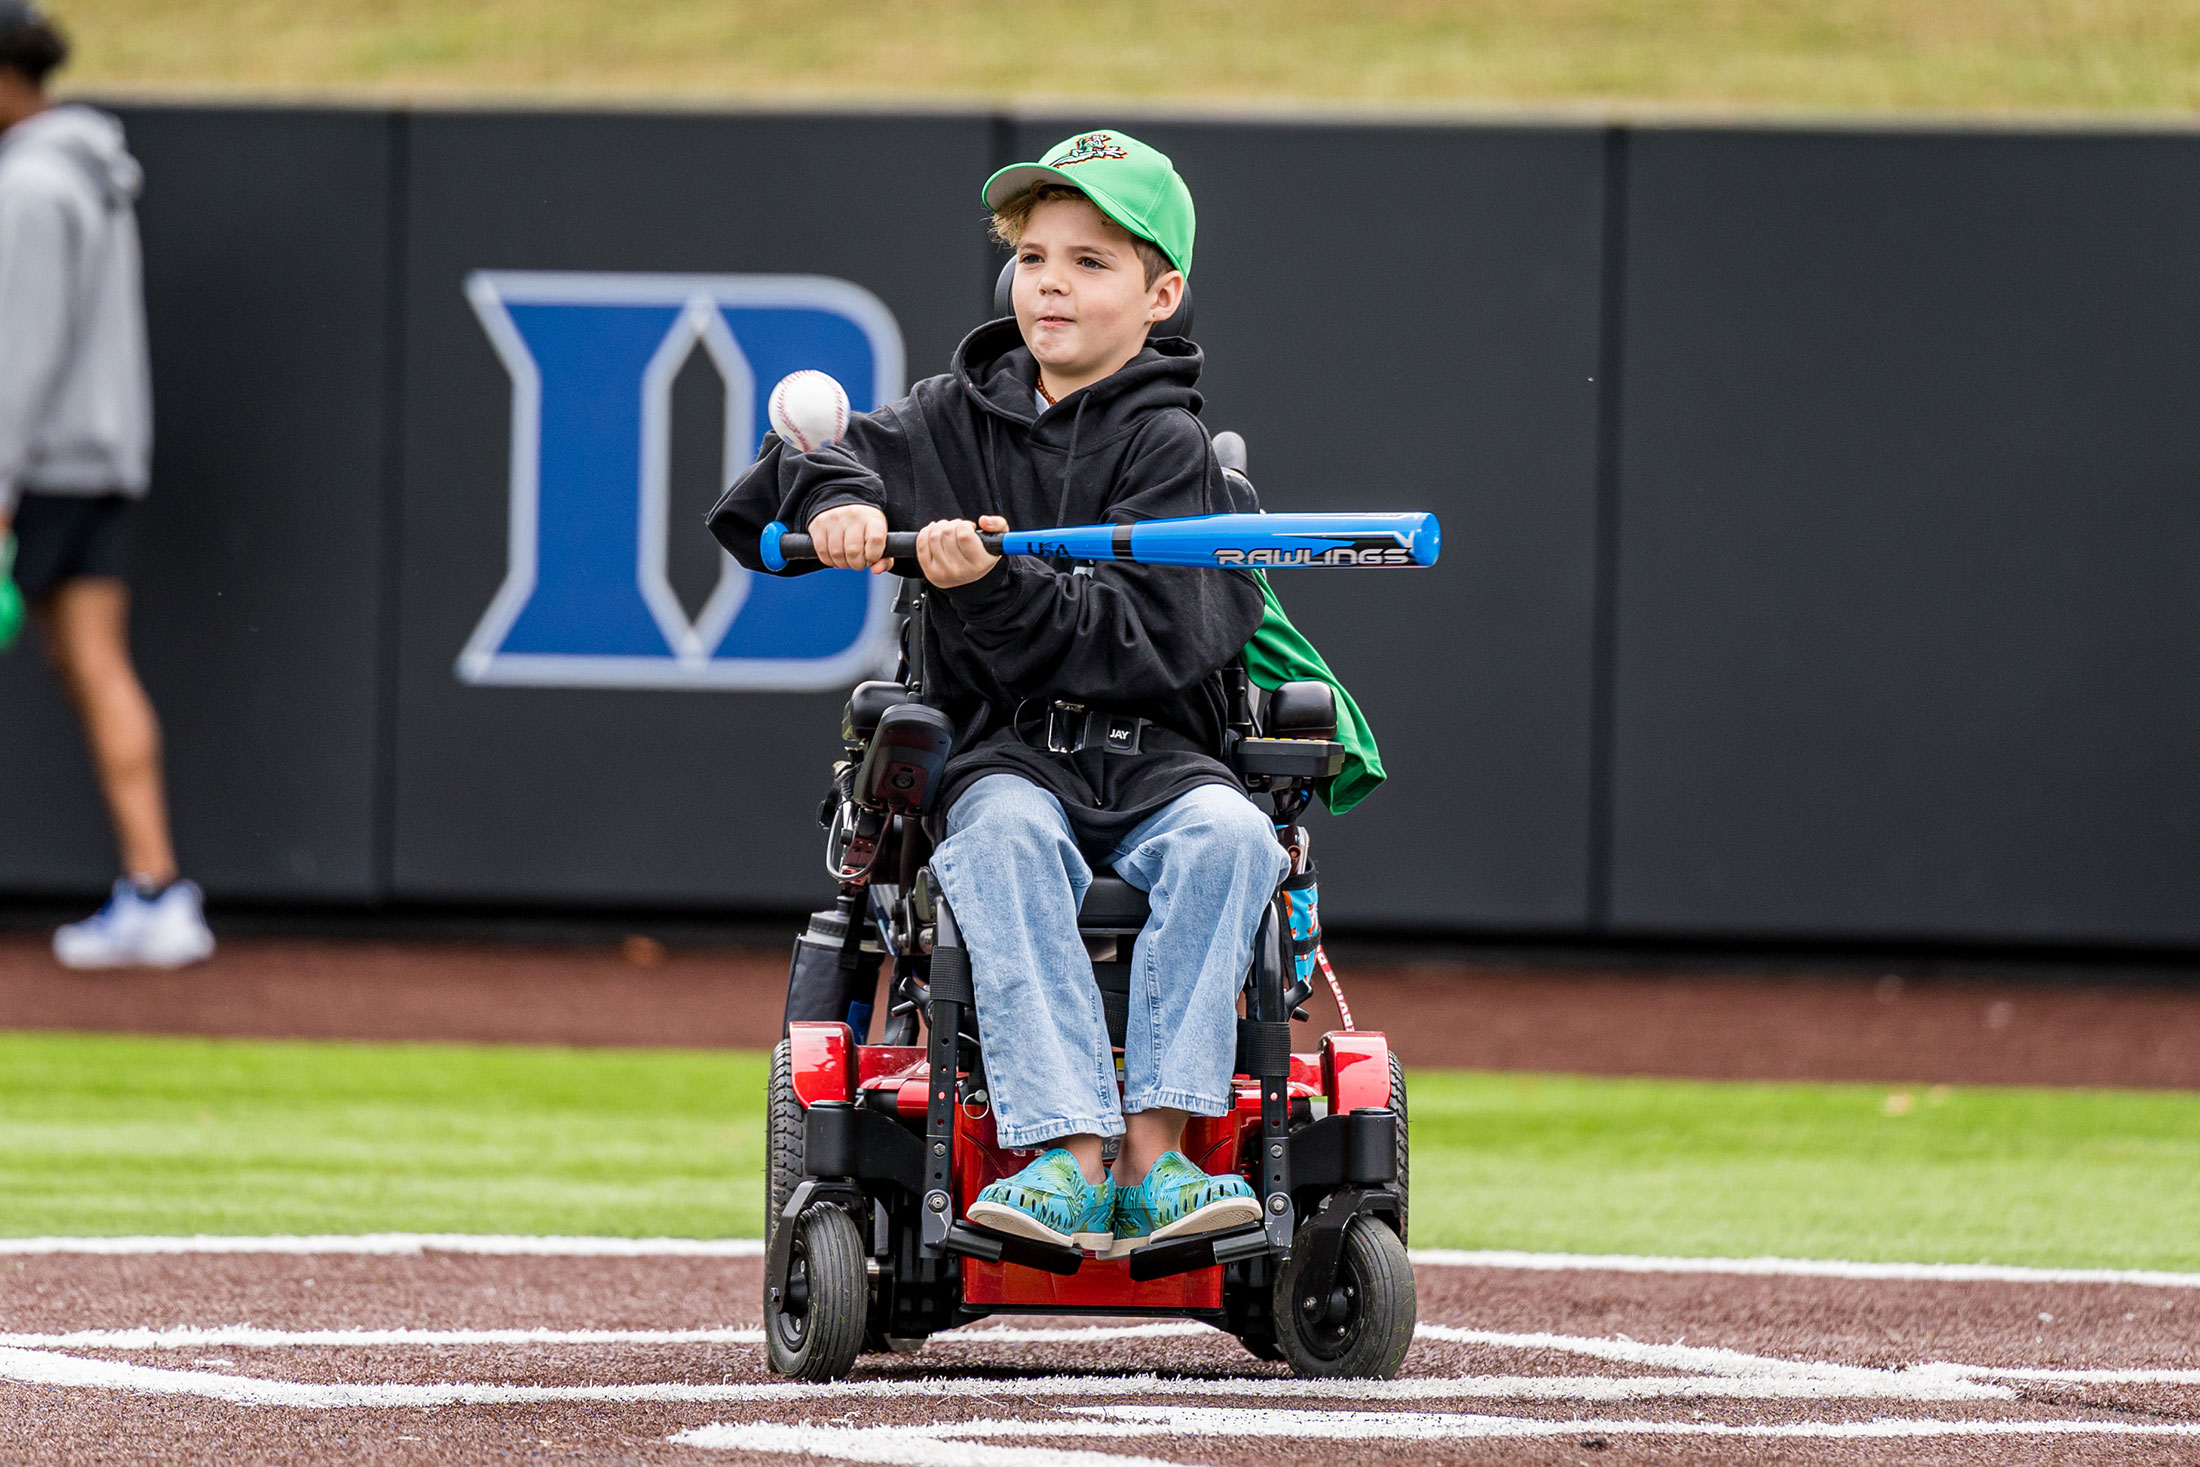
x=1068 y=414
x=76 y=428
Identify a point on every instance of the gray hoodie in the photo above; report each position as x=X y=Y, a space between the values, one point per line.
x=76 y=397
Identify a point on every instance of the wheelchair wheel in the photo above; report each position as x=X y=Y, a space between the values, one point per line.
x=1363 y=1329
x=1405 y=1149
x=783 y=1139
x=819 y=1332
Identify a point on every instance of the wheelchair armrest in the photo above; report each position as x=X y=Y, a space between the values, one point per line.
x=1307 y=759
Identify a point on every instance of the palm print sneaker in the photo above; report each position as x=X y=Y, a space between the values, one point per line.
x=1177 y=1200
x=1050 y=1200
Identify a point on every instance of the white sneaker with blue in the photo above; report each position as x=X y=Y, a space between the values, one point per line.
x=166 y=930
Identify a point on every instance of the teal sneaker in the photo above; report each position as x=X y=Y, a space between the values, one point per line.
x=1177 y=1200
x=1050 y=1200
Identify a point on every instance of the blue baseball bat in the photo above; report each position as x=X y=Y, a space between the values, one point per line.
x=1227 y=541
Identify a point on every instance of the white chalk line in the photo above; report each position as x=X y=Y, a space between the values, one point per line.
x=1940 y=1273
x=1699 y=1358
x=251 y=1337
x=910 y=1444
x=2072 y=1377
x=1705 y=1358
x=404 y=1244
x=258 y=1391
x=1736 y=1376
x=246 y=1336
x=1720 y=1361
x=1211 y=1421
x=1728 y=1375
x=40 y=1367
x=1944 y=1380
x=884 y=1444
x=399 y=1245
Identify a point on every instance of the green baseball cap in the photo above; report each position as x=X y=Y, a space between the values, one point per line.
x=1133 y=184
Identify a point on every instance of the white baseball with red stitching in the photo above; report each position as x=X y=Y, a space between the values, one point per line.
x=809 y=410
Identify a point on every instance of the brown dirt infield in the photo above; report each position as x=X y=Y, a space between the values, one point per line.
x=1803 y=1345
x=1974 y=1028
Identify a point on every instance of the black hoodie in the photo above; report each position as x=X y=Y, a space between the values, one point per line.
x=1146 y=640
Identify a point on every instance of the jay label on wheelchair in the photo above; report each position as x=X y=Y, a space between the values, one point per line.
x=1067 y=846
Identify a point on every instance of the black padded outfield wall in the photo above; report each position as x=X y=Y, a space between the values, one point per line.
x=1908 y=627
x=1854 y=603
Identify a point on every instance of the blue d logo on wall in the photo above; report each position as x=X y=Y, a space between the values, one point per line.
x=585 y=600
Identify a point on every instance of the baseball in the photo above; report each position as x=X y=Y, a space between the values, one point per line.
x=809 y=410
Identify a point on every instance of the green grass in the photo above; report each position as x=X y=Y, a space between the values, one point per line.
x=105 y=1135
x=1746 y=56
x=2075 y=1178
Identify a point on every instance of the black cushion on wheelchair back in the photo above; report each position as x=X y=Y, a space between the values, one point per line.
x=1112 y=905
x=1302 y=710
x=1230 y=453
x=1177 y=323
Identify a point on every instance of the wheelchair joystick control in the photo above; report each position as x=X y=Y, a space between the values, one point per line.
x=909 y=749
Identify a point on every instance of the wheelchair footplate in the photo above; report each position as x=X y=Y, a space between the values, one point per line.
x=1154 y=1261
x=984 y=1244
x=1201 y=1250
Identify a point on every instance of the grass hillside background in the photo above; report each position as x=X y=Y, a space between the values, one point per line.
x=1605 y=57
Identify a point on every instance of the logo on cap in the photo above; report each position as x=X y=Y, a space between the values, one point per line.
x=1087 y=148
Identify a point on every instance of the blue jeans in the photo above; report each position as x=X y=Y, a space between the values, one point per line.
x=1208 y=861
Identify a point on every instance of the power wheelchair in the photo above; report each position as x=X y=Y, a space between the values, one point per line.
x=878 y=1149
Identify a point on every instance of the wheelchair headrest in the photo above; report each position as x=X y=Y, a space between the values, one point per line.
x=1178 y=323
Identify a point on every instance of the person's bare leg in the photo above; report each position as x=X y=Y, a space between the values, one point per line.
x=1087 y=1151
x=1146 y=1135
x=85 y=625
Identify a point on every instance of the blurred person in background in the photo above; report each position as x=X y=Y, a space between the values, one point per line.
x=75 y=450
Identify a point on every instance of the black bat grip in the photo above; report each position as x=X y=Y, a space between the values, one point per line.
x=900 y=545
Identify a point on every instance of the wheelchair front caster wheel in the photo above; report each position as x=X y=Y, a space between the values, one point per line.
x=816 y=1332
x=1363 y=1329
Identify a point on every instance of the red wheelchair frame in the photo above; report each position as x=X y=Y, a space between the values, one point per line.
x=1350 y=1074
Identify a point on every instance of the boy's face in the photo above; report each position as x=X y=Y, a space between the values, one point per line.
x=1080 y=292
